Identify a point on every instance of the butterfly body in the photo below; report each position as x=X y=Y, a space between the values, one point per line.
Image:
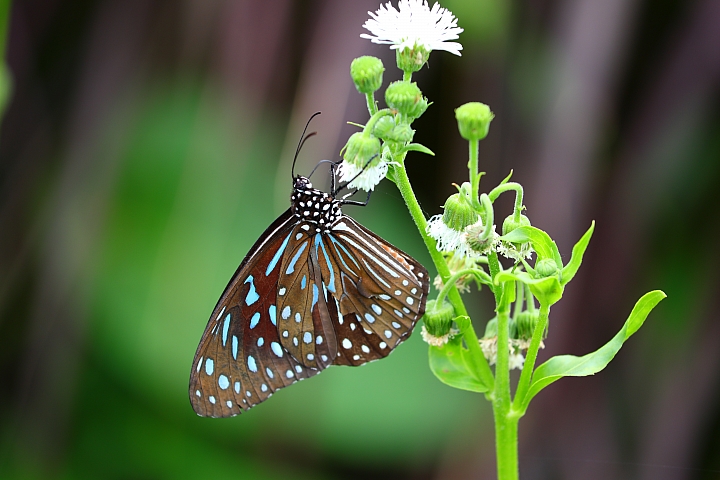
x=316 y=289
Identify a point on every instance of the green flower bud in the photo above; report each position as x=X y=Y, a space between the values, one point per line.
x=406 y=98
x=525 y=324
x=384 y=127
x=360 y=148
x=367 y=73
x=411 y=59
x=459 y=212
x=401 y=134
x=474 y=120
x=514 y=250
x=510 y=224
x=438 y=318
x=546 y=268
x=476 y=240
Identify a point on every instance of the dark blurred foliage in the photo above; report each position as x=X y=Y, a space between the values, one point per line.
x=148 y=143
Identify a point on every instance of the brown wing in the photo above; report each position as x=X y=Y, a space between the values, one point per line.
x=376 y=292
x=241 y=360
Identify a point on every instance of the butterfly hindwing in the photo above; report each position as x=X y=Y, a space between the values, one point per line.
x=380 y=296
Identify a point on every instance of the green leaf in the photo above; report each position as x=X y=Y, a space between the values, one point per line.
x=572 y=366
x=416 y=147
x=541 y=242
x=506 y=179
x=449 y=364
x=577 y=255
x=547 y=290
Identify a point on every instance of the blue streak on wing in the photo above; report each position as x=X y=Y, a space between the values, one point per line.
x=273 y=311
x=303 y=282
x=331 y=282
x=252 y=295
x=278 y=255
x=315 y=295
x=234 y=347
x=291 y=266
x=342 y=259
x=255 y=319
x=226 y=326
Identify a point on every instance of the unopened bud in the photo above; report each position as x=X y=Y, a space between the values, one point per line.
x=367 y=73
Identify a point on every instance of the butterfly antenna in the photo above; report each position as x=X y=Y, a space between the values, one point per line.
x=302 y=141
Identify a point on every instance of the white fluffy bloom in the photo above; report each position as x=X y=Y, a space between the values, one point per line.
x=448 y=239
x=370 y=176
x=414 y=23
x=433 y=340
x=516 y=359
x=508 y=250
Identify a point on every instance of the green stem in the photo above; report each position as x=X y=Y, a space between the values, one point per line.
x=407 y=76
x=519 y=299
x=506 y=421
x=474 y=146
x=489 y=219
x=495 y=193
x=526 y=375
x=506 y=441
x=370 y=125
x=403 y=183
x=530 y=301
x=495 y=268
x=479 y=274
x=502 y=371
x=372 y=106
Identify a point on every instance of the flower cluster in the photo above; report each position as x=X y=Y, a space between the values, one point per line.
x=413 y=30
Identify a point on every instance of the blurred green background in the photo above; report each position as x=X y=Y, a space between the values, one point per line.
x=146 y=144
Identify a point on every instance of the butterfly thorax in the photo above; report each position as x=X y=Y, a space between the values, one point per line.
x=314 y=206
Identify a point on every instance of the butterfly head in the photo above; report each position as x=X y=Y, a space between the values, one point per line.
x=301 y=183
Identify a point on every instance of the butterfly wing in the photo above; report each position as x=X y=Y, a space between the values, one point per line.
x=240 y=361
x=304 y=321
x=377 y=293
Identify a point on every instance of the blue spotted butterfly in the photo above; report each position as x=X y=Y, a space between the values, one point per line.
x=316 y=289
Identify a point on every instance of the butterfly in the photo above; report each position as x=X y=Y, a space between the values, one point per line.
x=316 y=289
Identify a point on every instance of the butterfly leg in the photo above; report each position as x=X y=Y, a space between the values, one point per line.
x=355 y=202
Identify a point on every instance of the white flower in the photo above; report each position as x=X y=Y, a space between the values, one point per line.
x=516 y=360
x=433 y=340
x=450 y=240
x=508 y=250
x=370 y=176
x=414 y=24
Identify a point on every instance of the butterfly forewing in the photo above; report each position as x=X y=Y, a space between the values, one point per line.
x=240 y=361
